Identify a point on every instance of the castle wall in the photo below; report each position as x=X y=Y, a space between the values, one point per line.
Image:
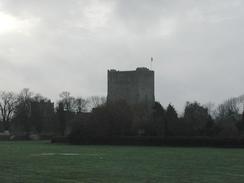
x=135 y=87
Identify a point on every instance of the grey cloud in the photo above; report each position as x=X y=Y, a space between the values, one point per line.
x=197 y=46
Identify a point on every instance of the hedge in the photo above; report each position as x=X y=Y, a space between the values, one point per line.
x=159 y=141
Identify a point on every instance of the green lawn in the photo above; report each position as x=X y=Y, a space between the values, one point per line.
x=42 y=162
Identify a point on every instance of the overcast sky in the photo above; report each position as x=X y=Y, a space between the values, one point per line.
x=54 y=45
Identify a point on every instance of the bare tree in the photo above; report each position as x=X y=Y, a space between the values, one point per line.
x=67 y=100
x=7 y=106
x=229 y=108
x=233 y=105
x=81 y=104
x=39 y=98
x=211 y=109
x=95 y=101
x=25 y=94
x=24 y=99
x=23 y=109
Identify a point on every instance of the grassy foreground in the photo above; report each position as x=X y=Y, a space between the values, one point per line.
x=42 y=162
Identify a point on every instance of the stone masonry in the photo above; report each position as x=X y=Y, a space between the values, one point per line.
x=135 y=87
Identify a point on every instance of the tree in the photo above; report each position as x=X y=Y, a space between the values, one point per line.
x=159 y=126
x=211 y=109
x=172 y=120
x=7 y=105
x=39 y=98
x=196 y=118
x=229 y=117
x=95 y=101
x=240 y=124
x=110 y=120
x=68 y=101
x=228 y=110
x=142 y=119
x=22 y=113
x=120 y=118
x=80 y=104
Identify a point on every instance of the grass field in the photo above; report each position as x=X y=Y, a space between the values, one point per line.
x=42 y=162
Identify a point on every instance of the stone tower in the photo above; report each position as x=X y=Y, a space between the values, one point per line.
x=135 y=87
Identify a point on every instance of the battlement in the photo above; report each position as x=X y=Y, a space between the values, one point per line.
x=142 y=69
x=145 y=69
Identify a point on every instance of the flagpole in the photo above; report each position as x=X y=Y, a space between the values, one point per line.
x=151 y=62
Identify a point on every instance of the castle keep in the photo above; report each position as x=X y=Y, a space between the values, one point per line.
x=135 y=87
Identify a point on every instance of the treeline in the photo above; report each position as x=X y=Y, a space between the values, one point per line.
x=115 y=122
x=26 y=114
x=93 y=120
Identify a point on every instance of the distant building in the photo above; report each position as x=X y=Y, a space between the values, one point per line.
x=44 y=109
x=37 y=118
x=42 y=115
x=135 y=87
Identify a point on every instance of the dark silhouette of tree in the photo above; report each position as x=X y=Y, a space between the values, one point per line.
x=8 y=101
x=22 y=112
x=211 y=128
x=81 y=105
x=159 y=124
x=196 y=118
x=172 y=120
x=110 y=120
x=228 y=118
x=120 y=117
x=39 y=98
x=211 y=109
x=227 y=110
x=96 y=101
x=242 y=117
x=142 y=119
x=68 y=101
x=240 y=124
